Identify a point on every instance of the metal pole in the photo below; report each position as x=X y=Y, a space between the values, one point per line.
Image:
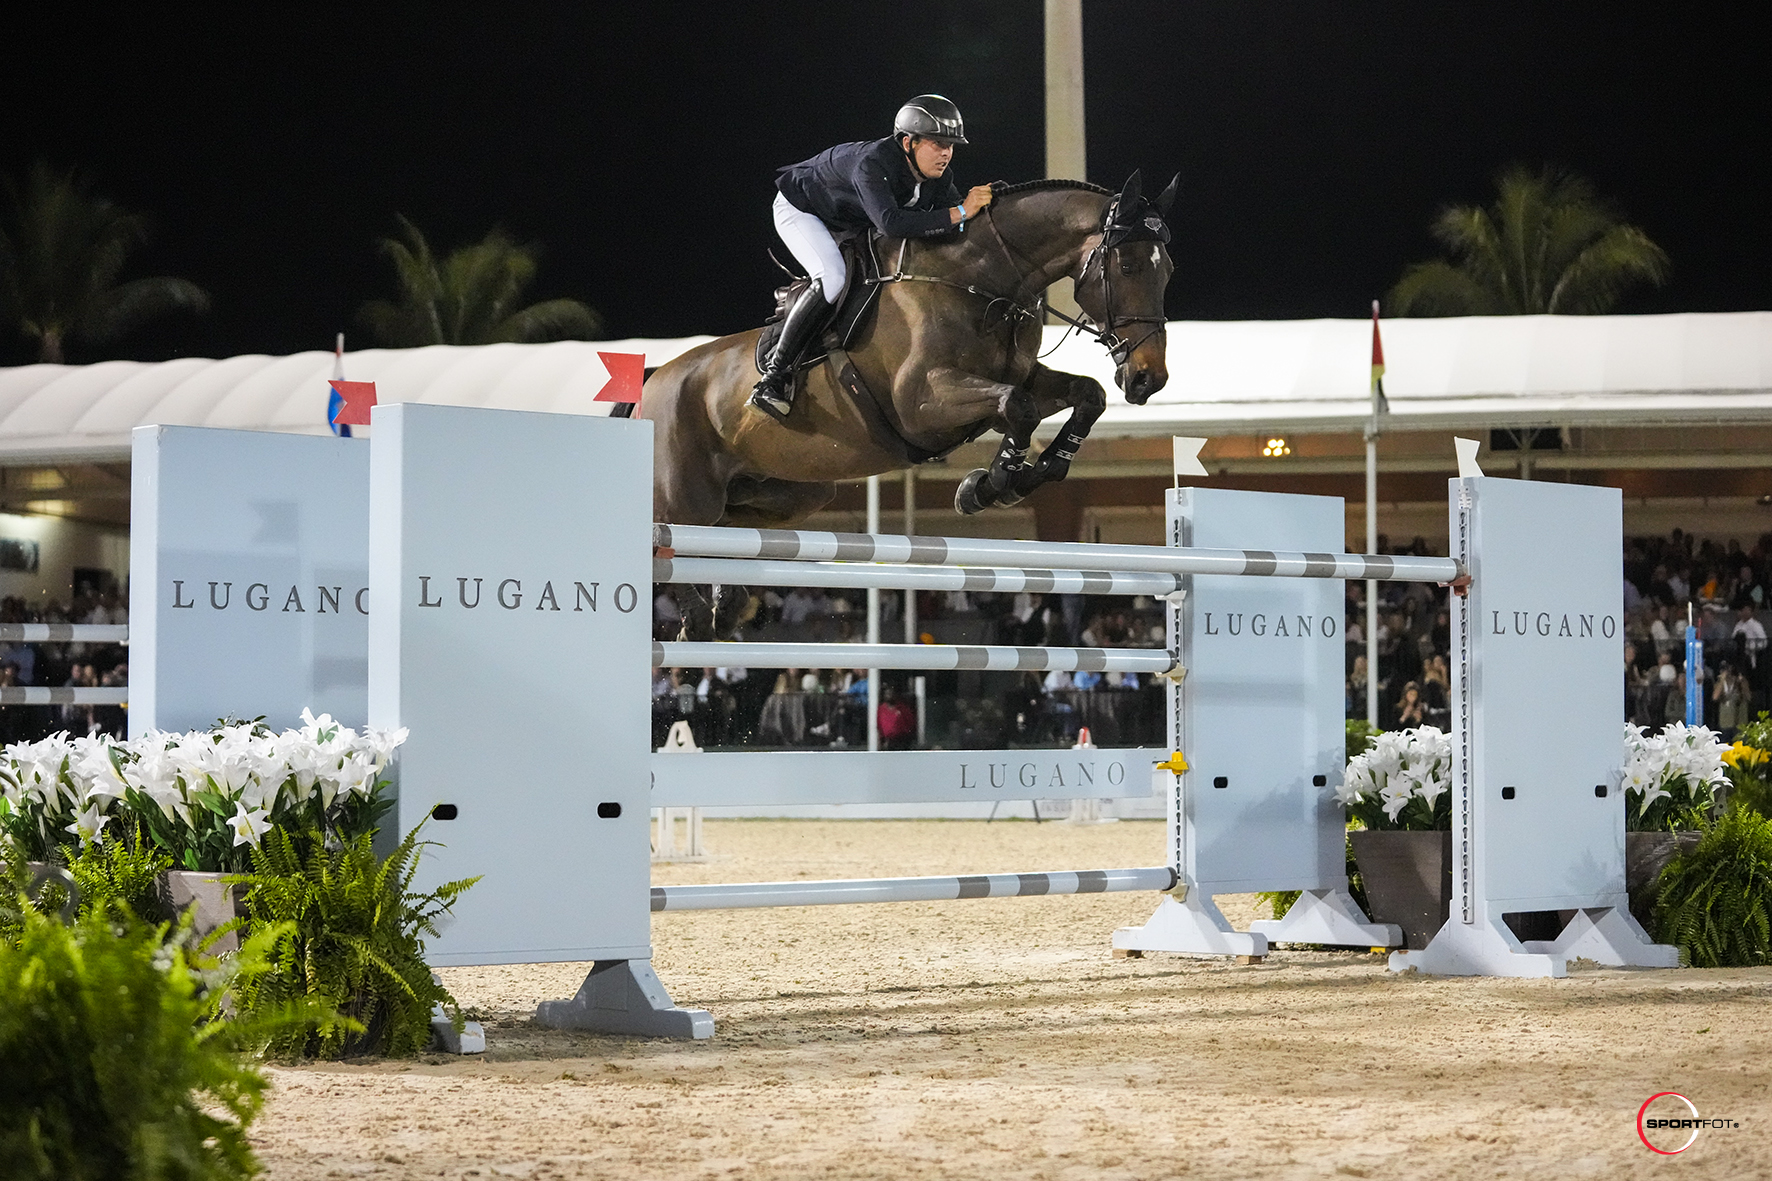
x=911 y=634
x=873 y=621
x=738 y=895
x=800 y=545
x=1372 y=583
x=892 y=576
x=986 y=658
x=1066 y=141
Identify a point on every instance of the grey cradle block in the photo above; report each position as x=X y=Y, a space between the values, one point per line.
x=625 y=996
x=471 y=1039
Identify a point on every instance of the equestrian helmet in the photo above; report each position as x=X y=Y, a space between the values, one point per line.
x=932 y=117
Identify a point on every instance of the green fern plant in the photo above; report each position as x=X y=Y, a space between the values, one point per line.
x=1715 y=902
x=354 y=941
x=121 y=877
x=114 y=1063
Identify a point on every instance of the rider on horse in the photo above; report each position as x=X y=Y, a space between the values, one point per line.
x=898 y=185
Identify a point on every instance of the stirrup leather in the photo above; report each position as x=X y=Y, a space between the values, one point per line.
x=774 y=393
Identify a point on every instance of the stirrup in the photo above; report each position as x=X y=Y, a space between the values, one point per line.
x=770 y=403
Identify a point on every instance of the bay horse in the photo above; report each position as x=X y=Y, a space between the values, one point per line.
x=952 y=351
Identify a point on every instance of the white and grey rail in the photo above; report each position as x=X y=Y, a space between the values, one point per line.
x=800 y=545
x=772 y=572
x=72 y=695
x=741 y=895
x=64 y=633
x=930 y=657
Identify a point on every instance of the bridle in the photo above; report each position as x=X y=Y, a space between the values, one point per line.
x=1112 y=235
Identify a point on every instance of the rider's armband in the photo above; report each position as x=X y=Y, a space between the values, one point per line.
x=962 y=210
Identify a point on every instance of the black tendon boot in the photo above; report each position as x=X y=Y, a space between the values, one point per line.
x=774 y=394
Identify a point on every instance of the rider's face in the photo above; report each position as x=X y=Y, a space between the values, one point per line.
x=931 y=156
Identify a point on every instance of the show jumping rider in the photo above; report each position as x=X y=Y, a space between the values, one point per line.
x=898 y=185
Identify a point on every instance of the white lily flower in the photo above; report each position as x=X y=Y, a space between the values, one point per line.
x=249 y=825
x=89 y=825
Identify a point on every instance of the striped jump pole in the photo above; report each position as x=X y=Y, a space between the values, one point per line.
x=931 y=657
x=60 y=633
x=772 y=572
x=743 y=895
x=56 y=695
x=798 y=545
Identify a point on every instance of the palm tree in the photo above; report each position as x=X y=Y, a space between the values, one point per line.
x=61 y=250
x=1548 y=244
x=472 y=297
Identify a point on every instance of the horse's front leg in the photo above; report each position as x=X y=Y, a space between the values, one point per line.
x=1053 y=391
x=971 y=399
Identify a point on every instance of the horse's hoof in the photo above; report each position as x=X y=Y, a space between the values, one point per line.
x=969 y=497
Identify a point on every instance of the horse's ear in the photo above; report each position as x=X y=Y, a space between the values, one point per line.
x=1166 y=198
x=1131 y=190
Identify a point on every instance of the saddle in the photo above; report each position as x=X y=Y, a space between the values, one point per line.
x=852 y=313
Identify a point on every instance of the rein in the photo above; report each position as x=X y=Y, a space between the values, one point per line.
x=1108 y=336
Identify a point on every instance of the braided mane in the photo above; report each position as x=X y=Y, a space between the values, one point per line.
x=1035 y=186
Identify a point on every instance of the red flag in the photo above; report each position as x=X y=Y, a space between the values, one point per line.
x=358 y=397
x=1377 y=349
x=627 y=373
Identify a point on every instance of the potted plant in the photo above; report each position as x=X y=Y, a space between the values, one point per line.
x=203 y=799
x=1670 y=783
x=1398 y=799
x=1749 y=764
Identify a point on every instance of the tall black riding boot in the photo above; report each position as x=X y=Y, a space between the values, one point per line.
x=774 y=394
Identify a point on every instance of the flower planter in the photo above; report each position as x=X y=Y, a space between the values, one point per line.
x=1408 y=877
x=1646 y=854
x=216 y=902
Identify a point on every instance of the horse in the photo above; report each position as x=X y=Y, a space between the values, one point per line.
x=951 y=352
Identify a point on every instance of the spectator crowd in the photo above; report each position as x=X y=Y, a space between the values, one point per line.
x=1721 y=587
x=73 y=665
x=828 y=707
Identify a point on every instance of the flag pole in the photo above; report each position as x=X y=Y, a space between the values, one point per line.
x=1372 y=428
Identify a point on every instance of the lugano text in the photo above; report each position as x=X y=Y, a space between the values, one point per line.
x=1550 y=623
x=509 y=594
x=259 y=596
x=1236 y=623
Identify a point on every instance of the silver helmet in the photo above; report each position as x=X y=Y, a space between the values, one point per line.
x=932 y=117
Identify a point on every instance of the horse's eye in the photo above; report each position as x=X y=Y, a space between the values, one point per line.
x=1126 y=267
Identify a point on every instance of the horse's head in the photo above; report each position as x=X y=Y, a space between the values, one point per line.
x=1120 y=286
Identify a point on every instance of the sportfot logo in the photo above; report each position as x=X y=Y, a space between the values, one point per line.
x=1668 y=1123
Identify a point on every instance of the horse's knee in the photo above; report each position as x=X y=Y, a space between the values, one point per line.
x=1087 y=394
x=1020 y=412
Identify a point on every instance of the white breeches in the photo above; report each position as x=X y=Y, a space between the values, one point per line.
x=810 y=242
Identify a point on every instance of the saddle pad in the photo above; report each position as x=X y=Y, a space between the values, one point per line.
x=854 y=307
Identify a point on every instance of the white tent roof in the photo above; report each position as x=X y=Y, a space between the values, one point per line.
x=1225 y=377
x=85 y=412
x=1244 y=377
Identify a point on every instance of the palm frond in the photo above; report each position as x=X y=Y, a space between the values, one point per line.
x=1440 y=289
x=474 y=295
x=1611 y=264
x=1547 y=244
x=553 y=319
x=123 y=308
x=64 y=249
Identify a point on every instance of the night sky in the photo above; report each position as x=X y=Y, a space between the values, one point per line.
x=637 y=144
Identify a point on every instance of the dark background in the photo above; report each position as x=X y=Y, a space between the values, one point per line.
x=636 y=144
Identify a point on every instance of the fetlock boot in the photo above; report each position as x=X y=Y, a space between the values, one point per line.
x=774 y=393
